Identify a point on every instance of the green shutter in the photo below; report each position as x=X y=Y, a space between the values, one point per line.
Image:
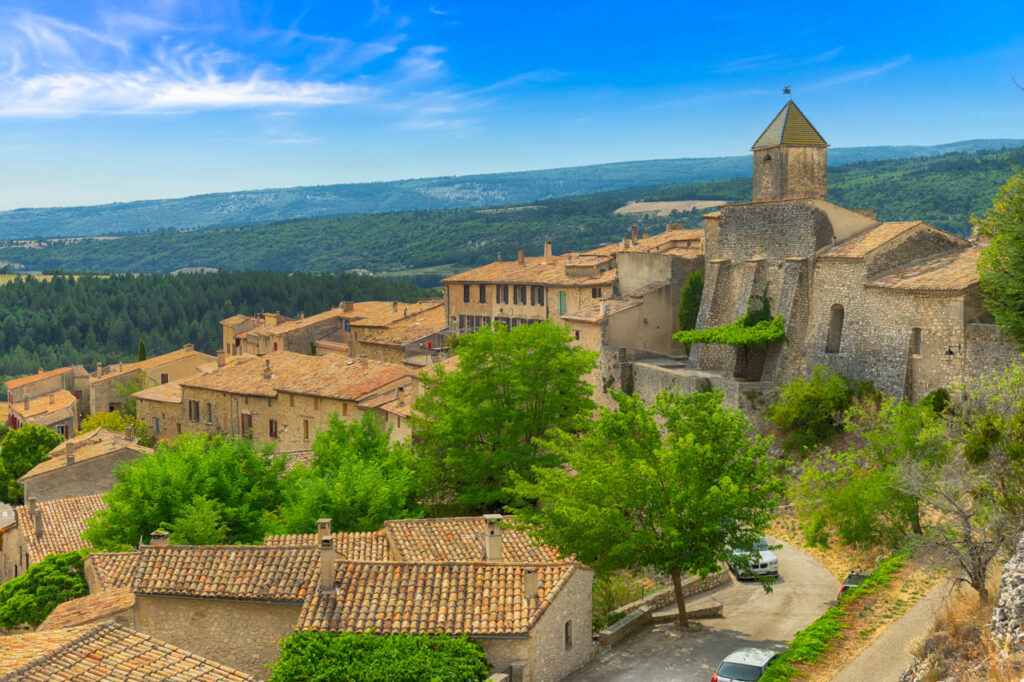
x=561 y=303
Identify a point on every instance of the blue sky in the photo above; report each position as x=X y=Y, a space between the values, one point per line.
x=108 y=101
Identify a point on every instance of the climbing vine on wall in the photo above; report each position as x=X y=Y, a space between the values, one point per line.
x=756 y=327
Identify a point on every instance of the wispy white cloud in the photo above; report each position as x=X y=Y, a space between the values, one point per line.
x=859 y=74
x=776 y=60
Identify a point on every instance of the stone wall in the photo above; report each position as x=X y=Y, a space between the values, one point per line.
x=774 y=230
x=88 y=477
x=790 y=173
x=1008 y=616
x=103 y=391
x=13 y=558
x=987 y=351
x=242 y=635
x=552 y=659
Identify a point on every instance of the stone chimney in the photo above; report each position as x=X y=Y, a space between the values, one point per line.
x=129 y=432
x=547 y=250
x=347 y=306
x=646 y=235
x=323 y=528
x=266 y=369
x=521 y=257
x=492 y=541
x=302 y=314
x=633 y=233
x=69 y=452
x=40 y=371
x=32 y=503
x=159 y=538
x=531 y=584
x=394 y=306
x=190 y=346
x=99 y=369
x=499 y=256
x=222 y=358
x=27 y=398
x=327 y=562
x=400 y=394
x=51 y=396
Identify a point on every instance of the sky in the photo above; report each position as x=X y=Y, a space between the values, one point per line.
x=118 y=101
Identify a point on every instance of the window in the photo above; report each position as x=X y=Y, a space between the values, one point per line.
x=275 y=345
x=568 y=635
x=915 y=341
x=595 y=292
x=156 y=424
x=316 y=403
x=501 y=293
x=344 y=409
x=465 y=294
x=62 y=430
x=272 y=427
x=291 y=400
x=519 y=294
x=193 y=410
x=246 y=425
x=537 y=296
x=561 y=303
x=348 y=327
x=577 y=336
x=305 y=429
x=78 y=395
x=209 y=413
x=164 y=378
x=483 y=293
x=179 y=429
x=835 y=329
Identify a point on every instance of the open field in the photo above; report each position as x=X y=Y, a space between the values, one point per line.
x=666 y=208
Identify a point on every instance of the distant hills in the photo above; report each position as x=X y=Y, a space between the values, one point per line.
x=428 y=244
x=268 y=205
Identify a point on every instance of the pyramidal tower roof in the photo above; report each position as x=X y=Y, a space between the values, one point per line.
x=790 y=126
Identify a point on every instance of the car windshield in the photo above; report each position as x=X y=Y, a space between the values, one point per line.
x=739 y=671
x=760 y=545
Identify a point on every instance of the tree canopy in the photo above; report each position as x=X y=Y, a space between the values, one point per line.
x=20 y=450
x=29 y=598
x=1001 y=264
x=478 y=424
x=676 y=487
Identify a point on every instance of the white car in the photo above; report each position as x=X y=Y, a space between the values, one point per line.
x=764 y=562
x=744 y=665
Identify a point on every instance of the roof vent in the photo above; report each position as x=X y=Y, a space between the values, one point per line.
x=266 y=370
x=327 y=565
x=531 y=586
x=159 y=538
x=492 y=541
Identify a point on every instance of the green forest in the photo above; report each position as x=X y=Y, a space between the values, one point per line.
x=101 y=319
x=943 y=190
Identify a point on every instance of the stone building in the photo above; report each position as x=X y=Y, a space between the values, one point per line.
x=83 y=465
x=895 y=303
x=283 y=397
x=73 y=379
x=528 y=608
x=161 y=369
x=57 y=411
x=43 y=528
x=413 y=339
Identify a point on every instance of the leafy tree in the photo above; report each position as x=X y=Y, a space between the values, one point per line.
x=670 y=487
x=368 y=657
x=477 y=425
x=142 y=350
x=29 y=598
x=810 y=411
x=358 y=479
x=21 y=450
x=1001 y=264
x=115 y=421
x=689 y=302
x=124 y=391
x=205 y=489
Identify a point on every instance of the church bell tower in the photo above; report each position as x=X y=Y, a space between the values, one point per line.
x=790 y=159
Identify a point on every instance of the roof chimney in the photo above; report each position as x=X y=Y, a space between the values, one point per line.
x=40 y=370
x=129 y=432
x=323 y=528
x=190 y=346
x=492 y=542
x=99 y=369
x=51 y=399
x=521 y=257
x=347 y=306
x=266 y=369
x=633 y=233
x=31 y=506
x=547 y=250
x=327 y=562
x=646 y=235
x=394 y=306
x=531 y=587
x=69 y=453
x=27 y=398
x=222 y=358
x=302 y=314
x=400 y=394
x=159 y=538
x=499 y=256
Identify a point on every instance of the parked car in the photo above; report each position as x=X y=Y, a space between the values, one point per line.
x=761 y=562
x=744 y=665
x=852 y=580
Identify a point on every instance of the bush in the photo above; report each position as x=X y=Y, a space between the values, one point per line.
x=366 y=657
x=809 y=412
x=29 y=598
x=689 y=302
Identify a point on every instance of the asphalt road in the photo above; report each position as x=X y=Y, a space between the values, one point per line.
x=752 y=618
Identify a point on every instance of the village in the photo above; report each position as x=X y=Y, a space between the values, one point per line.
x=894 y=304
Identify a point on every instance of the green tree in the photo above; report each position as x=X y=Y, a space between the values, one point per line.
x=689 y=302
x=29 y=598
x=810 y=411
x=1001 y=263
x=115 y=421
x=20 y=450
x=670 y=487
x=358 y=479
x=142 y=350
x=369 y=657
x=125 y=391
x=205 y=489
x=477 y=425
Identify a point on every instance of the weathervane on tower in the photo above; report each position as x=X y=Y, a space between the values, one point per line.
x=787 y=90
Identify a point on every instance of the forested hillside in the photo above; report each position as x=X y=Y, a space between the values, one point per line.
x=943 y=190
x=93 y=319
x=249 y=207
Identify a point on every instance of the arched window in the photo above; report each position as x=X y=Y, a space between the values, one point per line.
x=835 y=329
x=766 y=175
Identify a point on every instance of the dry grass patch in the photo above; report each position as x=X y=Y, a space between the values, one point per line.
x=837 y=559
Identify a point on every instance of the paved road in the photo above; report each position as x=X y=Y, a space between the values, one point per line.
x=752 y=618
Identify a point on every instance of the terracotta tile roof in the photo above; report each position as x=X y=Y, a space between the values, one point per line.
x=96 y=443
x=113 y=569
x=471 y=598
x=712 y=214
x=338 y=346
x=161 y=393
x=104 y=652
x=689 y=254
x=863 y=243
x=303 y=457
x=308 y=321
x=235 y=319
x=89 y=609
x=150 y=363
x=390 y=313
x=595 y=312
x=325 y=376
x=459 y=539
x=790 y=126
x=42 y=411
x=412 y=328
x=247 y=572
x=350 y=546
x=63 y=524
x=947 y=272
x=534 y=271
x=76 y=370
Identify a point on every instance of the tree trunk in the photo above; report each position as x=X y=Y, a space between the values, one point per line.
x=915 y=520
x=677 y=585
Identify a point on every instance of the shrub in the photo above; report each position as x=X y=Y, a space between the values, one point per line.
x=938 y=400
x=689 y=302
x=809 y=412
x=366 y=657
x=29 y=598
